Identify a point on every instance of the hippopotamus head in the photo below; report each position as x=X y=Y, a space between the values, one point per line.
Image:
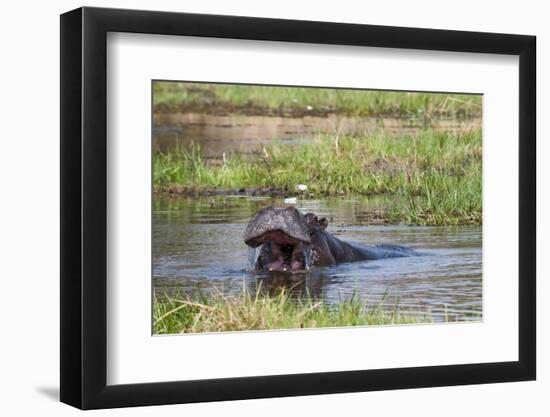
x=285 y=236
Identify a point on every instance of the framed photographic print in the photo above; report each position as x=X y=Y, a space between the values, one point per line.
x=257 y=207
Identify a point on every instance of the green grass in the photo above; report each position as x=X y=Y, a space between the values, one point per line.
x=218 y=313
x=432 y=177
x=216 y=98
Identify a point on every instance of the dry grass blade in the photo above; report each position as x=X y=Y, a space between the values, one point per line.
x=183 y=305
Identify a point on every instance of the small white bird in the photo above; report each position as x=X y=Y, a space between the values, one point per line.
x=301 y=187
x=291 y=200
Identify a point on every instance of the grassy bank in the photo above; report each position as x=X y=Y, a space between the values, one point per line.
x=433 y=177
x=261 y=100
x=262 y=312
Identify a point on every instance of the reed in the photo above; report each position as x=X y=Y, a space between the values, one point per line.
x=219 y=313
x=433 y=177
x=253 y=99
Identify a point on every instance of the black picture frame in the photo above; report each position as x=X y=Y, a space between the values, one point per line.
x=84 y=207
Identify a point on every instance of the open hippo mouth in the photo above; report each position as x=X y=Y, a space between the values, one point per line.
x=286 y=240
x=283 y=238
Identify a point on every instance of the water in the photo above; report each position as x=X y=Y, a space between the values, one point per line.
x=248 y=134
x=198 y=246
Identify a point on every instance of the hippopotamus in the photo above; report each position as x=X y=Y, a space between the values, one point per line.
x=292 y=241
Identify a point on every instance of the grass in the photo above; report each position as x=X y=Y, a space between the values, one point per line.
x=244 y=99
x=433 y=177
x=218 y=313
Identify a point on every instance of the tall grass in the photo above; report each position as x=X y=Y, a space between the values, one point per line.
x=218 y=313
x=435 y=176
x=173 y=96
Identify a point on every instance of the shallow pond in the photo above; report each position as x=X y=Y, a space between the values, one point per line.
x=198 y=246
x=248 y=134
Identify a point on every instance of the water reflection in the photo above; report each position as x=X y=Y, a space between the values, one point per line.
x=197 y=246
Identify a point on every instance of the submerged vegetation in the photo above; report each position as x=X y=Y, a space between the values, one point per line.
x=219 y=313
x=270 y=100
x=434 y=177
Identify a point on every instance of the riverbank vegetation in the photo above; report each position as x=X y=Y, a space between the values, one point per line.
x=295 y=101
x=219 y=313
x=433 y=177
x=419 y=162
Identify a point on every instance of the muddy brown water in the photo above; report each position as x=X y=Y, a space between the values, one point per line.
x=247 y=134
x=198 y=247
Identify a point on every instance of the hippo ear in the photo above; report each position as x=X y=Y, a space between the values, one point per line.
x=323 y=222
x=310 y=217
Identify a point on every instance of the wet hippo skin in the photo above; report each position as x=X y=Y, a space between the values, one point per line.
x=292 y=241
